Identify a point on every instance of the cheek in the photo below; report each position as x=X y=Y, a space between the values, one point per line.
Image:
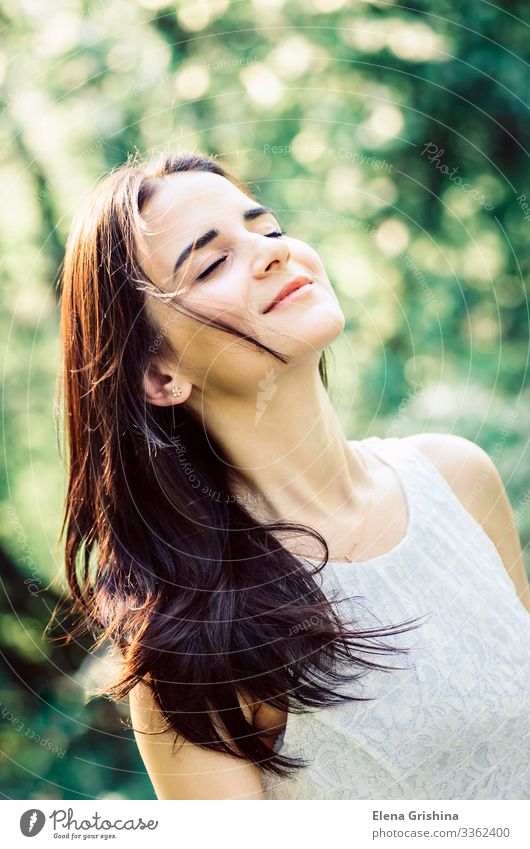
x=306 y=255
x=224 y=301
x=226 y=296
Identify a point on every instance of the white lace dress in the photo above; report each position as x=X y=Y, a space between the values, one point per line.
x=455 y=722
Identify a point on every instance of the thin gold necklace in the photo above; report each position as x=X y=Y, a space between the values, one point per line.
x=363 y=522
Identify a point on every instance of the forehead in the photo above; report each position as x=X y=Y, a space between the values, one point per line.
x=188 y=201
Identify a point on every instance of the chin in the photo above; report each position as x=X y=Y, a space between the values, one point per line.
x=317 y=327
x=328 y=323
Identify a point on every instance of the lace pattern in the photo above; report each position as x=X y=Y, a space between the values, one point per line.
x=455 y=722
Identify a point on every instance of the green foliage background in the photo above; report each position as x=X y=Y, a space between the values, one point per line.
x=327 y=107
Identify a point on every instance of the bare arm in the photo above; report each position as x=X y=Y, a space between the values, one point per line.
x=474 y=478
x=191 y=772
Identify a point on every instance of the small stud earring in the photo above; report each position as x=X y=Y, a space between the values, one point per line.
x=176 y=391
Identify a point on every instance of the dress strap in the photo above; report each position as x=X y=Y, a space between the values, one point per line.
x=437 y=514
x=416 y=471
x=391 y=449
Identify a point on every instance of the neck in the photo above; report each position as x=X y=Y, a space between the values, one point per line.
x=288 y=456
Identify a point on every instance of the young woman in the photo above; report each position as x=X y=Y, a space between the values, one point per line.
x=258 y=572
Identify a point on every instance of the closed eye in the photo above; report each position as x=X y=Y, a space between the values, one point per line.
x=274 y=235
x=210 y=268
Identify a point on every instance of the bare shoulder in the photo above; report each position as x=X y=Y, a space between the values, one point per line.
x=181 y=770
x=475 y=480
x=468 y=469
x=458 y=459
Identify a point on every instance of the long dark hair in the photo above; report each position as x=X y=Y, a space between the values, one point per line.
x=203 y=602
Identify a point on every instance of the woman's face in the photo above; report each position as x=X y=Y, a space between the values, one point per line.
x=240 y=264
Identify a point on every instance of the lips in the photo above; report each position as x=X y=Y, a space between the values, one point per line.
x=287 y=289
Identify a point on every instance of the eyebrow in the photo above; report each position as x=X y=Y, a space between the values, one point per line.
x=206 y=238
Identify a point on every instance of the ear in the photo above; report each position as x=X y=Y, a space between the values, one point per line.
x=158 y=386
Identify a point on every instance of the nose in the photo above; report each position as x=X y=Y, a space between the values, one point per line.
x=269 y=254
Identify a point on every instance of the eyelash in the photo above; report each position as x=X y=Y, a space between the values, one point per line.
x=274 y=235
